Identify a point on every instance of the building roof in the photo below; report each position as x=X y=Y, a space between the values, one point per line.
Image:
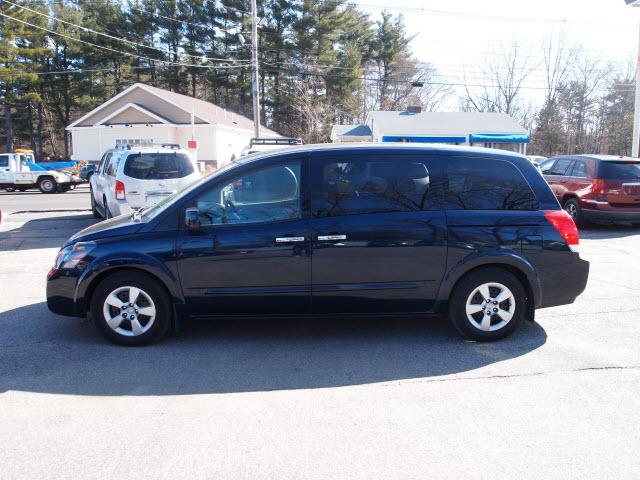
x=166 y=106
x=351 y=131
x=443 y=123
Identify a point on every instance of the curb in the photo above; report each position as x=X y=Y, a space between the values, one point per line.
x=52 y=210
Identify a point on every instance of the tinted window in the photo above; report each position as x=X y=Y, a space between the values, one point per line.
x=350 y=186
x=268 y=194
x=158 y=166
x=560 y=167
x=4 y=160
x=619 y=170
x=579 y=169
x=486 y=184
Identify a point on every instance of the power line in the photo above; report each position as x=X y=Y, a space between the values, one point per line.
x=124 y=40
x=142 y=57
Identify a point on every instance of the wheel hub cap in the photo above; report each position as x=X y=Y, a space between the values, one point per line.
x=129 y=311
x=490 y=307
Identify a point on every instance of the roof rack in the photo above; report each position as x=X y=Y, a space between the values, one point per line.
x=275 y=141
x=128 y=146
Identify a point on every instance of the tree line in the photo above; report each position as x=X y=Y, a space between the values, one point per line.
x=321 y=62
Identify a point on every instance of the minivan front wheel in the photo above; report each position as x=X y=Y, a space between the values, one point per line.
x=487 y=304
x=131 y=308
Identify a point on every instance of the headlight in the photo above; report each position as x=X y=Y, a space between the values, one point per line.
x=73 y=256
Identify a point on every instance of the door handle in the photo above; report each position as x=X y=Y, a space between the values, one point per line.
x=289 y=239
x=331 y=237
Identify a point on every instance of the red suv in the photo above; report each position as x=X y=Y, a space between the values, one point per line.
x=601 y=188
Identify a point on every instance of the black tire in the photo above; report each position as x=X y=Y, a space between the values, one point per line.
x=9 y=189
x=94 y=209
x=573 y=208
x=64 y=188
x=21 y=189
x=468 y=285
x=107 y=212
x=47 y=185
x=150 y=287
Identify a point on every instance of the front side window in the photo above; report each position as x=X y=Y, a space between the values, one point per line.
x=4 y=160
x=158 y=166
x=475 y=183
x=267 y=194
x=371 y=184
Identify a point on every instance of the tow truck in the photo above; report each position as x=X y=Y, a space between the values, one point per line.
x=19 y=172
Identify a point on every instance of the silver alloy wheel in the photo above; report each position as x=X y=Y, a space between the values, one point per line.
x=490 y=307
x=47 y=185
x=129 y=311
x=572 y=210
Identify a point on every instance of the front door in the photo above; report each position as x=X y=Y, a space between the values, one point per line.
x=379 y=233
x=252 y=255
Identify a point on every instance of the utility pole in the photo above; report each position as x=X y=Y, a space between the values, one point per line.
x=635 y=147
x=254 y=69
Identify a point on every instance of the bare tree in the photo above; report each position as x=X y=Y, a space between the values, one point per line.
x=558 y=59
x=498 y=86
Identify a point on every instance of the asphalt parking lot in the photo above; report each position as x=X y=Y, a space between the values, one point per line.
x=315 y=399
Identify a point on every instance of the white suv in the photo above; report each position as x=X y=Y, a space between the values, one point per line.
x=129 y=178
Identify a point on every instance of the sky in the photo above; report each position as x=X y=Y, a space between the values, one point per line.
x=452 y=34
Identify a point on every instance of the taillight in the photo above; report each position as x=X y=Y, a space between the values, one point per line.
x=120 y=193
x=597 y=189
x=565 y=226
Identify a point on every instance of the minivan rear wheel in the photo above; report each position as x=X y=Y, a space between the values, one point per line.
x=131 y=308
x=487 y=304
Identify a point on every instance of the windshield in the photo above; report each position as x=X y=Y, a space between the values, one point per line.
x=624 y=170
x=158 y=166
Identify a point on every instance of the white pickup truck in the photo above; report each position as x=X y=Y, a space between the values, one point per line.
x=15 y=174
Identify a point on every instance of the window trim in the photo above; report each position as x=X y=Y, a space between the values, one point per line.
x=305 y=211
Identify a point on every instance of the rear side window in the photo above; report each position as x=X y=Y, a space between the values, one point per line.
x=560 y=167
x=158 y=166
x=374 y=184
x=476 y=183
x=579 y=169
x=619 y=170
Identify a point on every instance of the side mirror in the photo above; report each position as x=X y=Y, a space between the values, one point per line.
x=192 y=219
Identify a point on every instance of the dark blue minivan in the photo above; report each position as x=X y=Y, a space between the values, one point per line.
x=332 y=230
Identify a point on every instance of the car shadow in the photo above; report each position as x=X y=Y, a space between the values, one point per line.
x=596 y=232
x=42 y=352
x=44 y=232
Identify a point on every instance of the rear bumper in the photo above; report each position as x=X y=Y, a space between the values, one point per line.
x=563 y=283
x=611 y=215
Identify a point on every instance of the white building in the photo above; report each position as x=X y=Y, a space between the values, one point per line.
x=143 y=115
x=485 y=129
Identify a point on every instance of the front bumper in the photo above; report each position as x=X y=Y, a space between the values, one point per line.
x=61 y=289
